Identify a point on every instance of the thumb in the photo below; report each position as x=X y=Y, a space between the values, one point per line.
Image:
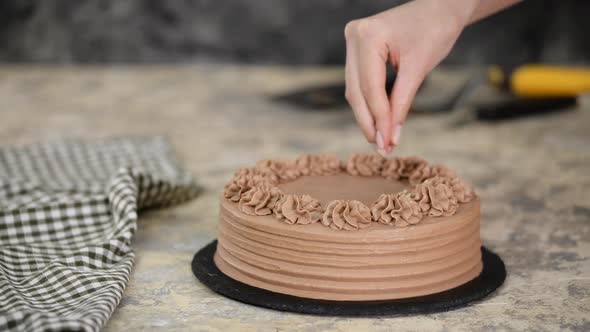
x=408 y=80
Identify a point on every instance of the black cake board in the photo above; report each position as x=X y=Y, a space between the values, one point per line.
x=491 y=277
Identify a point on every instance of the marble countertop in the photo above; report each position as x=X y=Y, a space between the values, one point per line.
x=533 y=177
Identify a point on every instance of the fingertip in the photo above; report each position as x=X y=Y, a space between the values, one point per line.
x=384 y=129
x=385 y=152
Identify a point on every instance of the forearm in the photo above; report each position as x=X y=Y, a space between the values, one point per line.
x=465 y=12
x=485 y=8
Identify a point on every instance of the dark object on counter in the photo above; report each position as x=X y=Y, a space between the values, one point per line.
x=523 y=107
x=491 y=277
x=324 y=97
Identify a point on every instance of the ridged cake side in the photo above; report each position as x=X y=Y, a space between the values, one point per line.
x=378 y=263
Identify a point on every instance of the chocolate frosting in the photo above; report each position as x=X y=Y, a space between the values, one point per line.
x=410 y=165
x=252 y=173
x=244 y=179
x=260 y=200
x=234 y=189
x=437 y=191
x=462 y=192
x=414 y=169
x=420 y=173
x=347 y=215
x=311 y=164
x=365 y=164
x=298 y=209
x=442 y=171
x=376 y=263
x=399 y=210
x=391 y=168
x=435 y=197
x=423 y=238
x=279 y=170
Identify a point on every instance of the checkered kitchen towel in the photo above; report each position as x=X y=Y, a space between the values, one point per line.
x=68 y=212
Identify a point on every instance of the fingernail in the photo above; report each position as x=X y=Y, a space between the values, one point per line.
x=385 y=152
x=397 y=134
x=380 y=141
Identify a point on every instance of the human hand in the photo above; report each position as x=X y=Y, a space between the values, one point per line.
x=413 y=38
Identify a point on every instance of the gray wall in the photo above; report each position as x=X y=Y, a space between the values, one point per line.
x=263 y=31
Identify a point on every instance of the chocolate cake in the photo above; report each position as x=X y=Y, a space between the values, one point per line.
x=366 y=229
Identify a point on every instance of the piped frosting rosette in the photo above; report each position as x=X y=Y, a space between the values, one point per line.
x=298 y=209
x=436 y=191
x=347 y=215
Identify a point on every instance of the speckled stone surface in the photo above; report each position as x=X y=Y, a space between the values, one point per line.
x=533 y=177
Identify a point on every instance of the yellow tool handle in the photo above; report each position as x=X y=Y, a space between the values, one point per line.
x=542 y=80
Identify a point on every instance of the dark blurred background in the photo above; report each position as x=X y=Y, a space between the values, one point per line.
x=265 y=31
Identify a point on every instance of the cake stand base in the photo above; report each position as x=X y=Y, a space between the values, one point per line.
x=491 y=277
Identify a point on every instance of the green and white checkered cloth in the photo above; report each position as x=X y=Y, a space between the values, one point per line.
x=68 y=212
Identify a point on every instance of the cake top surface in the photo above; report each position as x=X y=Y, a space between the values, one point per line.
x=343 y=186
x=366 y=190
